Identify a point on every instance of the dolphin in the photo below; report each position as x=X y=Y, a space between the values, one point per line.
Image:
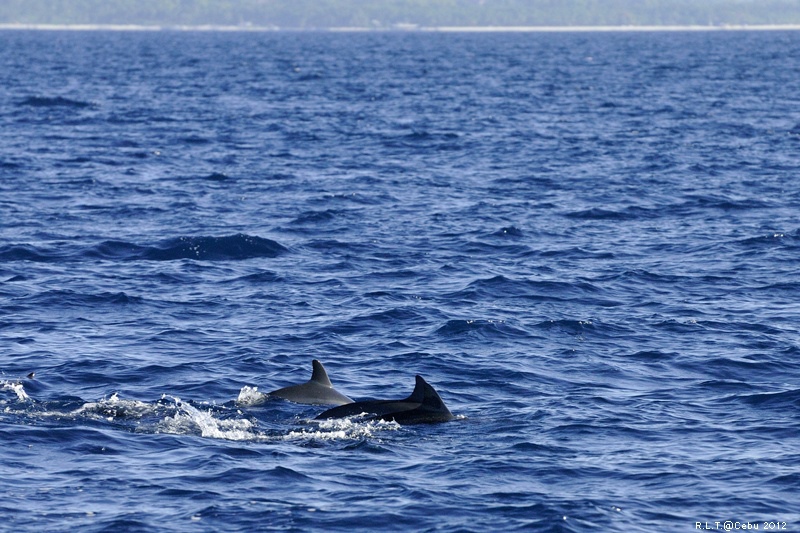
x=424 y=406
x=316 y=391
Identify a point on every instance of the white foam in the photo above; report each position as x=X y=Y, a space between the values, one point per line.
x=114 y=407
x=342 y=429
x=18 y=389
x=250 y=396
x=188 y=419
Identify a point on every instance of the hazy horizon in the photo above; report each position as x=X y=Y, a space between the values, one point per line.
x=388 y=14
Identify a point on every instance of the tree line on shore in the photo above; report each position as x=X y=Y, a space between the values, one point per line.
x=391 y=13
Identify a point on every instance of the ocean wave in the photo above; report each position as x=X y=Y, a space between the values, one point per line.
x=396 y=318
x=495 y=249
x=480 y=328
x=316 y=217
x=53 y=101
x=569 y=326
x=527 y=289
x=68 y=297
x=598 y=213
x=509 y=232
x=26 y=252
x=775 y=239
x=425 y=140
x=723 y=203
x=789 y=399
x=228 y=248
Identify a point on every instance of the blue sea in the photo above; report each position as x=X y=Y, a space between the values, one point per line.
x=587 y=243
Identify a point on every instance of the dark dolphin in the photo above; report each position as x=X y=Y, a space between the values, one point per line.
x=424 y=406
x=316 y=391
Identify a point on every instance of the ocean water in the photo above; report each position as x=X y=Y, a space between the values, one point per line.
x=589 y=244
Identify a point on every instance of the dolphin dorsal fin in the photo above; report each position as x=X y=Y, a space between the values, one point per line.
x=431 y=398
x=427 y=396
x=419 y=391
x=319 y=375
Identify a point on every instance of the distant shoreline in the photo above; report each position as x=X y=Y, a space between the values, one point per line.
x=408 y=28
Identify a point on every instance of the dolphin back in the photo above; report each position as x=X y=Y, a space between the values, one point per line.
x=316 y=391
x=423 y=406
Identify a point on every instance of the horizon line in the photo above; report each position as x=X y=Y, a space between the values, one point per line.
x=401 y=28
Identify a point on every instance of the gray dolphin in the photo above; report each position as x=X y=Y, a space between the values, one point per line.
x=316 y=391
x=423 y=406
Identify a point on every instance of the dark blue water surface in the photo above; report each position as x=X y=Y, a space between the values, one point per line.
x=589 y=244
